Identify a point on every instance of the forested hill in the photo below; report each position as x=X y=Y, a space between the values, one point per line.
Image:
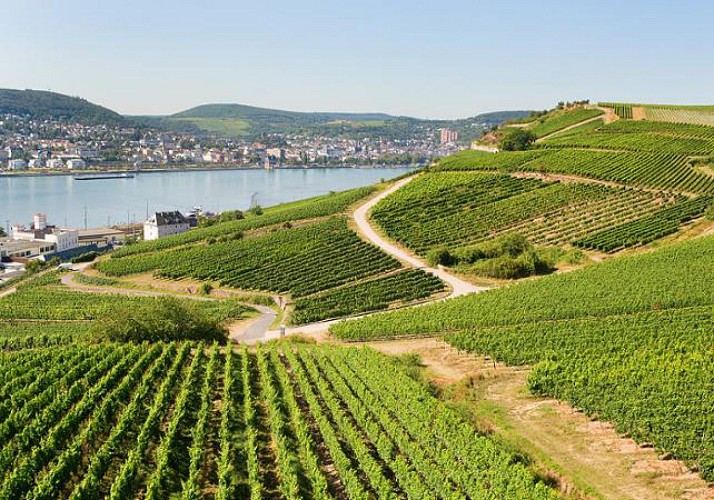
x=51 y=105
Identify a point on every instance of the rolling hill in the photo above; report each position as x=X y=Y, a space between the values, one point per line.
x=51 y=105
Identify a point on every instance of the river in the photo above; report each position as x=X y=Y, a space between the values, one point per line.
x=114 y=201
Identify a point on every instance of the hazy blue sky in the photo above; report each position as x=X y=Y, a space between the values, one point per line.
x=429 y=59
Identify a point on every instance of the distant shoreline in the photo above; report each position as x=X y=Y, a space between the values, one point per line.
x=194 y=168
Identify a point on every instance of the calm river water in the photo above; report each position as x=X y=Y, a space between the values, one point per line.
x=112 y=201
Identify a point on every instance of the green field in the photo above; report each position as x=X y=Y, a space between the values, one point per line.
x=225 y=127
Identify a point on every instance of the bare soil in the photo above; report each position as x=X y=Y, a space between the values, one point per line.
x=639 y=113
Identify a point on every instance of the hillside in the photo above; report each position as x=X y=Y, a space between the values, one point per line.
x=237 y=120
x=51 y=105
x=579 y=270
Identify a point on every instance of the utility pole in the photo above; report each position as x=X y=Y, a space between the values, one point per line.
x=147 y=210
x=85 y=217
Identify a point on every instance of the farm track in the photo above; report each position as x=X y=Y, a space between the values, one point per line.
x=588 y=455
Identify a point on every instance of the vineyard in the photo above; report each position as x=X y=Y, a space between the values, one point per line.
x=320 y=206
x=38 y=301
x=626 y=340
x=639 y=232
x=455 y=209
x=655 y=170
x=559 y=120
x=699 y=115
x=672 y=277
x=373 y=295
x=301 y=261
x=649 y=373
x=642 y=136
x=193 y=421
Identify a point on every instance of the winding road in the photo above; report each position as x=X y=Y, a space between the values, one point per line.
x=458 y=286
x=258 y=329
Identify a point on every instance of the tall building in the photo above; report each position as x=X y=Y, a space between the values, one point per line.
x=448 y=136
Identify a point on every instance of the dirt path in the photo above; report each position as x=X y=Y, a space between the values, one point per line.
x=364 y=228
x=569 y=127
x=7 y=292
x=591 y=455
x=361 y=217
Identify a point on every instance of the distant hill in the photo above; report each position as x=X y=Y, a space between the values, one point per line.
x=238 y=120
x=44 y=104
x=242 y=121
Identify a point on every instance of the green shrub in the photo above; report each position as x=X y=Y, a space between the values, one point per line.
x=164 y=319
x=440 y=257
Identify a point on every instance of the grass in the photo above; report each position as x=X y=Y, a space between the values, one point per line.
x=222 y=126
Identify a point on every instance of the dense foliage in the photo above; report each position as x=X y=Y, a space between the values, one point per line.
x=164 y=319
x=50 y=105
x=183 y=419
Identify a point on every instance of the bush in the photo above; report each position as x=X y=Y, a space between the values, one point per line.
x=206 y=289
x=440 y=257
x=164 y=319
x=516 y=139
x=85 y=257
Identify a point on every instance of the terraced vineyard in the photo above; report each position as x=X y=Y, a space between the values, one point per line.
x=559 y=120
x=457 y=209
x=320 y=206
x=643 y=136
x=299 y=261
x=649 y=373
x=46 y=300
x=627 y=340
x=647 y=229
x=373 y=295
x=276 y=423
x=651 y=170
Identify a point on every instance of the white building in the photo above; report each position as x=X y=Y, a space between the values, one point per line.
x=16 y=164
x=61 y=239
x=165 y=224
x=76 y=163
x=54 y=163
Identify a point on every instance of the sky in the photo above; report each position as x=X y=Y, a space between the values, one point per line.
x=445 y=59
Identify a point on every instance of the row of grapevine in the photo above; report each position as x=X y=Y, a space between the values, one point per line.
x=319 y=422
x=300 y=261
x=647 y=229
x=373 y=295
x=650 y=373
x=319 y=206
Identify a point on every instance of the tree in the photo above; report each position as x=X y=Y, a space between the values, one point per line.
x=164 y=319
x=516 y=139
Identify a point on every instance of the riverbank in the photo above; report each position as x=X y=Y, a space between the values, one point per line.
x=188 y=168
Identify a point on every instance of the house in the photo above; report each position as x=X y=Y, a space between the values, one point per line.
x=165 y=224
x=16 y=164
x=62 y=239
x=76 y=163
